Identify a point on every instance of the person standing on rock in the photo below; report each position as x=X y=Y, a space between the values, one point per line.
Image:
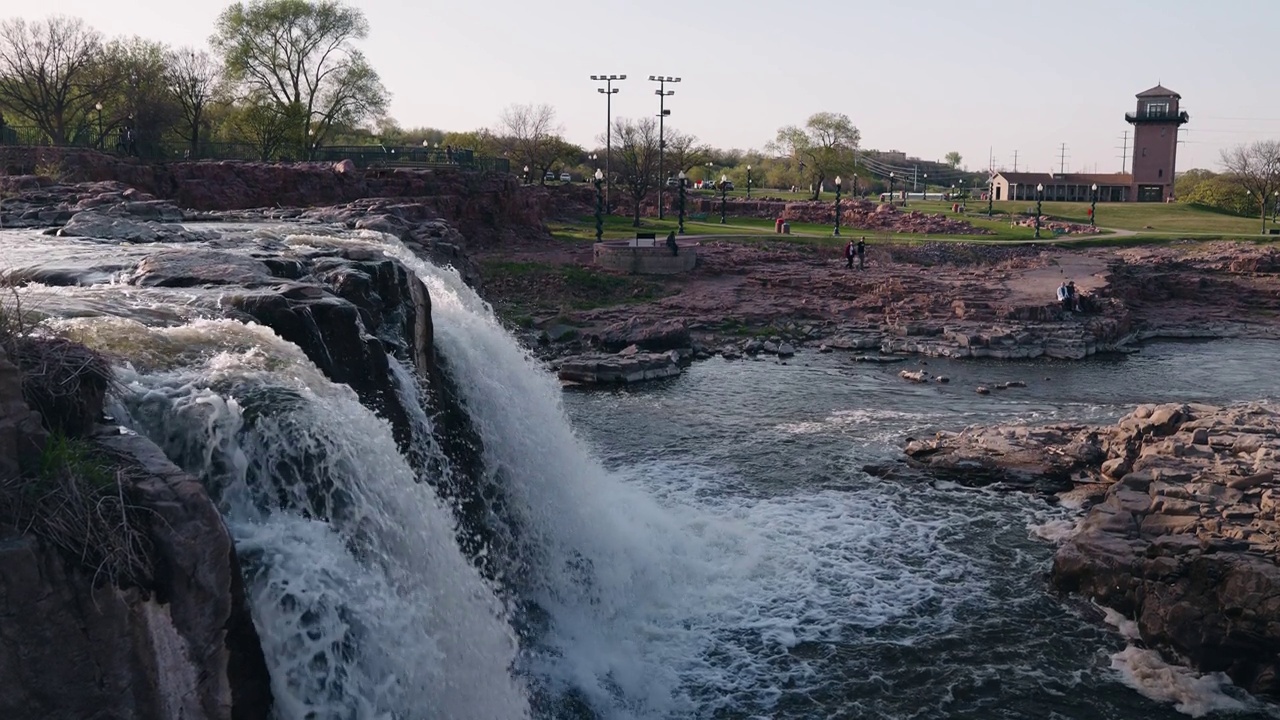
x=848 y=254
x=862 y=253
x=1064 y=297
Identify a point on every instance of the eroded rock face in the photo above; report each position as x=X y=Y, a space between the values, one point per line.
x=74 y=646
x=1181 y=532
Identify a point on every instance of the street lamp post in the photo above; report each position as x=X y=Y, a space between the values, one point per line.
x=1039 y=199
x=890 y=187
x=707 y=176
x=1093 y=206
x=599 y=206
x=925 y=191
x=748 y=182
x=963 y=197
x=98 y=107
x=1275 y=205
x=608 y=91
x=663 y=93
x=724 y=193
x=526 y=174
x=855 y=185
x=837 y=231
x=681 y=179
x=991 y=195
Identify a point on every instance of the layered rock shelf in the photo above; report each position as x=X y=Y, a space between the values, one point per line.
x=1179 y=531
x=629 y=366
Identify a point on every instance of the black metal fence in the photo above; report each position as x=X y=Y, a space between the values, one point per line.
x=117 y=142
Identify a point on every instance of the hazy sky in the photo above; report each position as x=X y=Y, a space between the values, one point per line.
x=922 y=76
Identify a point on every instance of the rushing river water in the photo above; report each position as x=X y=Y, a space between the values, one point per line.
x=868 y=598
x=703 y=547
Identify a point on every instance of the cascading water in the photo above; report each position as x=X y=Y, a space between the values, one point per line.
x=365 y=604
x=754 y=571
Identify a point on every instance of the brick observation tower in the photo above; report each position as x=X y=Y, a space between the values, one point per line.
x=1155 y=143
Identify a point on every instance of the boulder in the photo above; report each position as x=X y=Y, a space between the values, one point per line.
x=599 y=369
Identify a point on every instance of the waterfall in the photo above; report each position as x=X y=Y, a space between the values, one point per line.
x=365 y=604
x=600 y=562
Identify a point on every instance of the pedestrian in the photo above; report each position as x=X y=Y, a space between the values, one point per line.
x=848 y=254
x=671 y=243
x=862 y=253
x=1064 y=297
x=448 y=153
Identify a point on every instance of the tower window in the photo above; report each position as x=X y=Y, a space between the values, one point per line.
x=1155 y=109
x=1144 y=152
x=1160 y=173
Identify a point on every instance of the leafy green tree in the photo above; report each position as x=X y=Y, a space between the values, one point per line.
x=685 y=152
x=1221 y=193
x=1255 y=169
x=51 y=75
x=141 y=101
x=1187 y=181
x=268 y=128
x=953 y=159
x=300 y=57
x=823 y=148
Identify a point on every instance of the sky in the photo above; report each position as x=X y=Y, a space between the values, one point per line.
x=926 y=77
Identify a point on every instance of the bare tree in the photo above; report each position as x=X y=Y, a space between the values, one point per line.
x=635 y=158
x=685 y=152
x=530 y=136
x=192 y=79
x=49 y=74
x=1256 y=168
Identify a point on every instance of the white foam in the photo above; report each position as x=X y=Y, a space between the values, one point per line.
x=661 y=583
x=1055 y=531
x=365 y=604
x=1191 y=693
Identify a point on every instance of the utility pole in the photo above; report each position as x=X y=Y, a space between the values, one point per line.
x=1015 y=161
x=662 y=92
x=608 y=91
x=915 y=177
x=1062 y=160
x=1124 y=152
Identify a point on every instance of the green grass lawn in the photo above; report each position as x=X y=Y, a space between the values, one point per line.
x=1152 y=222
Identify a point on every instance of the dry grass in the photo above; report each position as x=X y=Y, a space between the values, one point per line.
x=79 y=503
x=79 y=500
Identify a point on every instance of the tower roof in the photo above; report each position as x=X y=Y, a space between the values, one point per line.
x=1159 y=91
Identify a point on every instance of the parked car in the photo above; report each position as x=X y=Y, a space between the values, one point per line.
x=549 y=176
x=565 y=177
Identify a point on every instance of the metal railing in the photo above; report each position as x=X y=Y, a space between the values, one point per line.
x=116 y=142
x=1134 y=117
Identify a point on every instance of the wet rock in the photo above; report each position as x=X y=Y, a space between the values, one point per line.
x=191 y=268
x=982 y=390
x=1185 y=542
x=915 y=376
x=633 y=367
x=659 y=336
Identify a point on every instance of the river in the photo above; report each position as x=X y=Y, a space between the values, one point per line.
x=874 y=598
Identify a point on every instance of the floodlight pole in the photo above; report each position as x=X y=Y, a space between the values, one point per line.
x=608 y=91
x=662 y=92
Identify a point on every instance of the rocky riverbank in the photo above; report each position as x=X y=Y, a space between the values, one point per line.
x=1179 y=529
x=936 y=299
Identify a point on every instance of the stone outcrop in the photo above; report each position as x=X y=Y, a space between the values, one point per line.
x=628 y=366
x=486 y=207
x=1181 y=531
x=73 y=645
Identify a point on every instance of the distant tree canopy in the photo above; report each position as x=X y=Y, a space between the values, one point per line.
x=954 y=159
x=298 y=60
x=825 y=147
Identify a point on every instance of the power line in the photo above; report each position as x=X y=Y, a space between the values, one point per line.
x=1015 y=161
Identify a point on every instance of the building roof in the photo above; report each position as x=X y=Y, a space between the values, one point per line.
x=1027 y=178
x=1159 y=91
